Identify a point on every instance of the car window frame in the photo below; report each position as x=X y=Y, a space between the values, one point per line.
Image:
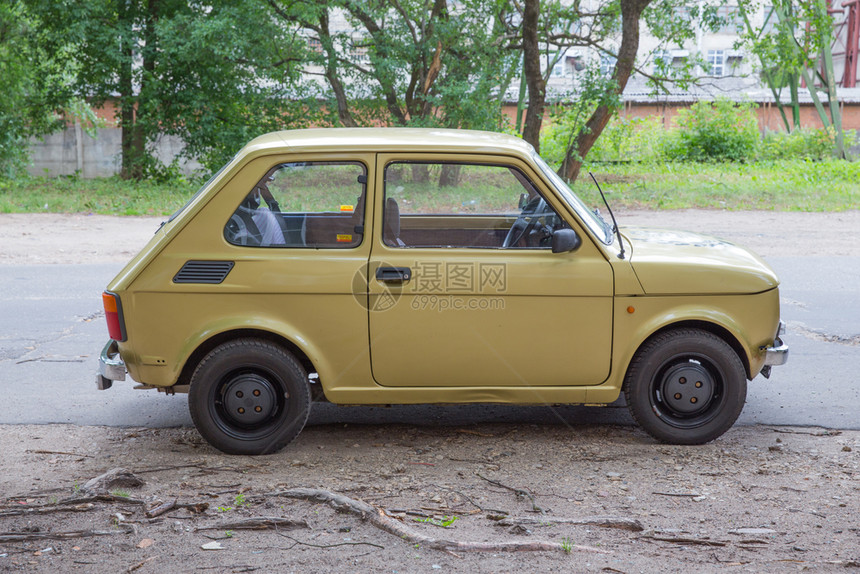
x=365 y=193
x=484 y=162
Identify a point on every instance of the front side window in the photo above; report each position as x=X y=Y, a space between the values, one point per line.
x=303 y=204
x=464 y=205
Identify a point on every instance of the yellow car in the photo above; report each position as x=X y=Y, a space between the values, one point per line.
x=403 y=266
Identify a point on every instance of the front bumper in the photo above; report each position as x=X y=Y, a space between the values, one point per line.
x=777 y=354
x=111 y=366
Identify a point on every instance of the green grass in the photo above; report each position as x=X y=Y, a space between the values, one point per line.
x=109 y=196
x=784 y=185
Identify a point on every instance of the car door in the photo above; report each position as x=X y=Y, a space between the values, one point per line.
x=464 y=290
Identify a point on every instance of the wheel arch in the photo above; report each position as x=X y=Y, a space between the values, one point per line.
x=225 y=336
x=715 y=329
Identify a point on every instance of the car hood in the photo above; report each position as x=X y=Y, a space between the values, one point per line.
x=669 y=262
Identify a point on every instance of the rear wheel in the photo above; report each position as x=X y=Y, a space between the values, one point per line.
x=249 y=396
x=685 y=386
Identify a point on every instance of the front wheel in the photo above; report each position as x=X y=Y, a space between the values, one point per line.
x=249 y=396
x=685 y=386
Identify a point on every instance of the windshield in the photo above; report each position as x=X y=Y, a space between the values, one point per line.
x=592 y=219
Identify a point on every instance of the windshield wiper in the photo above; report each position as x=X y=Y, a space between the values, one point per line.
x=612 y=215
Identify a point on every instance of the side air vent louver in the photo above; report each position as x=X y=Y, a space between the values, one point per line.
x=203 y=272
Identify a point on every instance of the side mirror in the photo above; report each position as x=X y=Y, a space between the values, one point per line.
x=524 y=200
x=565 y=240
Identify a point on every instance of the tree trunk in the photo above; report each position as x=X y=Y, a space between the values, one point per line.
x=450 y=175
x=386 y=83
x=794 y=82
x=343 y=112
x=532 y=72
x=830 y=77
x=631 y=11
x=126 y=88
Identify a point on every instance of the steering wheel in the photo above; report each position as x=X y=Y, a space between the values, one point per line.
x=523 y=225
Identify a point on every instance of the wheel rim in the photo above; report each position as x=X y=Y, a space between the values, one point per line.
x=687 y=391
x=249 y=404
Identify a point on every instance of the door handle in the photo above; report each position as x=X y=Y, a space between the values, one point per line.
x=393 y=274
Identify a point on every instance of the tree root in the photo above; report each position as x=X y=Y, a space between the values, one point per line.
x=47 y=509
x=621 y=523
x=259 y=523
x=381 y=520
x=30 y=536
x=196 y=508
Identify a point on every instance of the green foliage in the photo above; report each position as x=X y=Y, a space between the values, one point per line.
x=642 y=138
x=428 y=66
x=721 y=130
x=566 y=545
x=569 y=118
x=216 y=74
x=27 y=99
x=112 y=195
x=781 y=185
x=646 y=140
x=444 y=522
x=218 y=82
x=805 y=143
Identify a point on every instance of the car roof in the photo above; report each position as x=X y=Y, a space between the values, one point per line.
x=388 y=139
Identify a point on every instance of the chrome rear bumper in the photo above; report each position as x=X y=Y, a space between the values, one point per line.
x=111 y=366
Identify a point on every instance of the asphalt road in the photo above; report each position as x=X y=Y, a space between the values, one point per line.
x=52 y=331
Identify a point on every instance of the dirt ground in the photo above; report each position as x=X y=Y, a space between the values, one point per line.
x=50 y=238
x=532 y=498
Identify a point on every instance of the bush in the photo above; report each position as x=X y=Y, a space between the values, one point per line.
x=624 y=139
x=803 y=143
x=721 y=130
x=631 y=139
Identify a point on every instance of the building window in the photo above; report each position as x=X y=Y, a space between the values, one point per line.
x=607 y=64
x=716 y=63
x=732 y=22
x=359 y=53
x=314 y=45
x=771 y=20
x=662 y=60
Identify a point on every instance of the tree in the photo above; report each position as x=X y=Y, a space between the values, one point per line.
x=796 y=42
x=178 y=67
x=780 y=67
x=545 y=30
x=28 y=99
x=406 y=62
x=631 y=13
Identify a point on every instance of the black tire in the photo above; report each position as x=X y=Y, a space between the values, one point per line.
x=685 y=386
x=249 y=396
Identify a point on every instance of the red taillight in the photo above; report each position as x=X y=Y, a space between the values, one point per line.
x=113 y=314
